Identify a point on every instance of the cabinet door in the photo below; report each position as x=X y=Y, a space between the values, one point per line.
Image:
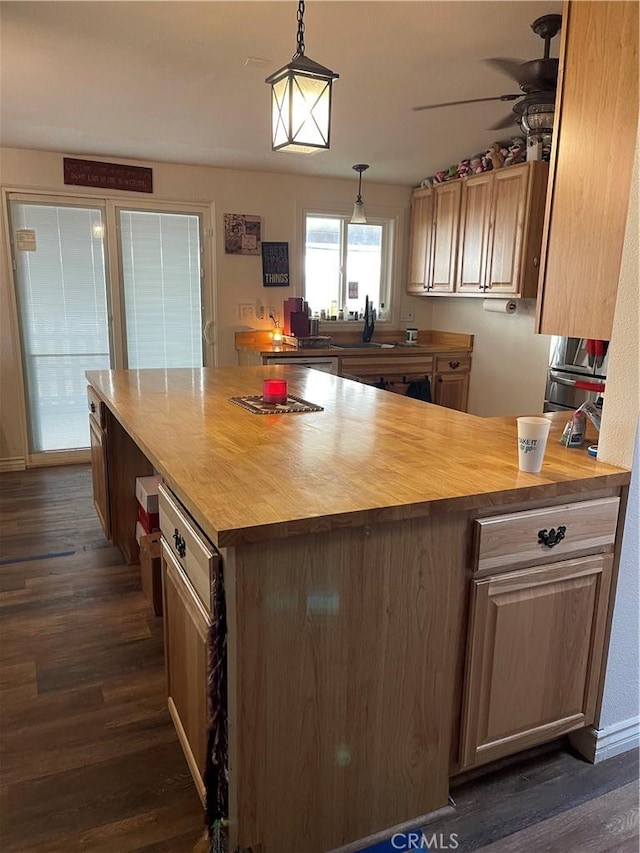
x=185 y=649
x=506 y=229
x=474 y=229
x=99 y=475
x=585 y=219
x=534 y=656
x=452 y=390
x=446 y=219
x=420 y=241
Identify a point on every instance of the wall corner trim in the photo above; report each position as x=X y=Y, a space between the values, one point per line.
x=597 y=745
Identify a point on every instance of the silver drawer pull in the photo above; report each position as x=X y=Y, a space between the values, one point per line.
x=549 y=538
x=181 y=545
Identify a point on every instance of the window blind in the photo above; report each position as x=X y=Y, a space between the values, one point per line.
x=162 y=291
x=62 y=307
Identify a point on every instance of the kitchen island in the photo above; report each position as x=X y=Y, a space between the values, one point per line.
x=362 y=548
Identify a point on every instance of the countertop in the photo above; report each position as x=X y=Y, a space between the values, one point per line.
x=369 y=455
x=429 y=343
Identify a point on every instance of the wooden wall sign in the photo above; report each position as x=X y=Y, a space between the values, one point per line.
x=275 y=264
x=108 y=176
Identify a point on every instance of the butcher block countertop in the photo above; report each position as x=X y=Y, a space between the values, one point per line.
x=429 y=342
x=368 y=456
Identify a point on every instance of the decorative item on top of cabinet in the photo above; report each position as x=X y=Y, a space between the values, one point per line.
x=496 y=229
x=596 y=112
x=536 y=637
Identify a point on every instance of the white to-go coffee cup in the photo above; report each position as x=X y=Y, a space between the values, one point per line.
x=532 y=441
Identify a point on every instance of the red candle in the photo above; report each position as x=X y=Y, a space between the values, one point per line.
x=274 y=391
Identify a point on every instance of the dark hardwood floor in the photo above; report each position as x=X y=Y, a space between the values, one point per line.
x=89 y=760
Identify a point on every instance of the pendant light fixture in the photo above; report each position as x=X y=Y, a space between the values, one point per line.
x=358 y=217
x=301 y=101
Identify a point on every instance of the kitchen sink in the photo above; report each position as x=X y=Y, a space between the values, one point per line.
x=361 y=345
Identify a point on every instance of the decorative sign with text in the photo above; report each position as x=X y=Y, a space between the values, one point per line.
x=275 y=264
x=108 y=176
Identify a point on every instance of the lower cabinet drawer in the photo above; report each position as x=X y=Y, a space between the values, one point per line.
x=552 y=533
x=450 y=363
x=95 y=406
x=195 y=555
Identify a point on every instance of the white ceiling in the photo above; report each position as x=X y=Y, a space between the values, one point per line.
x=167 y=80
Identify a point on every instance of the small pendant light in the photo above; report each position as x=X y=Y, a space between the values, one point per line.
x=358 y=217
x=301 y=101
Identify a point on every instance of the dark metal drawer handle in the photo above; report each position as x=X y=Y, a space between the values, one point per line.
x=551 y=537
x=181 y=545
x=454 y=364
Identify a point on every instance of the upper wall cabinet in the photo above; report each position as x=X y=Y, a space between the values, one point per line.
x=485 y=234
x=435 y=214
x=591 y=163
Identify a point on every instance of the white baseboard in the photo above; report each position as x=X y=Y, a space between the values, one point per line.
x=597 y=745
x=12 y=463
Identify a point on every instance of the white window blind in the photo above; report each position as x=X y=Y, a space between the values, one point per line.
x=162 y=291
x=62 y=307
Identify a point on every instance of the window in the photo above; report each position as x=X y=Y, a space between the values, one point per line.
x=343 y=263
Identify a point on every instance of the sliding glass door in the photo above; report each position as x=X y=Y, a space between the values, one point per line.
x=101 y=285
x=61 y=291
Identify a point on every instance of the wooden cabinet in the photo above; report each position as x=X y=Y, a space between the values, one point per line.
x=487 y=234
x=505 y=255
x=420 y=240
x=474 y=231
x=185 y=648
x=451 y=381
x=433 y=239
x=448 y=375
x=99 y=475
x=446 y=218
x=535 y=646
x=591 y=164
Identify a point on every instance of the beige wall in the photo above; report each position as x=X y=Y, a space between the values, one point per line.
x=509 y=361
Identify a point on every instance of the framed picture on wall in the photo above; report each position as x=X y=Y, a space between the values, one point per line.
x=275 y=264
x=241 y=234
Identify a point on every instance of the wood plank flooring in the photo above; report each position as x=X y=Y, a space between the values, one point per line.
x=89 y=760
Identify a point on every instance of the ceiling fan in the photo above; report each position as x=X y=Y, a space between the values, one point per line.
x=536 y=78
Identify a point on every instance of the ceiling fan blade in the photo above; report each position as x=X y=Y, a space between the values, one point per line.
x=511 y=67
x=470 y=101
x=507 y=121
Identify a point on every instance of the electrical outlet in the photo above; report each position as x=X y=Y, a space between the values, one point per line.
x=246 y=312
x=406 y=316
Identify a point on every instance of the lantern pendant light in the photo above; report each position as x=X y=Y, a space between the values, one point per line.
x=358 y=217
x=301 y=101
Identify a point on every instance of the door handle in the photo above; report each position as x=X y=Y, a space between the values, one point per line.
x=208 y=332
